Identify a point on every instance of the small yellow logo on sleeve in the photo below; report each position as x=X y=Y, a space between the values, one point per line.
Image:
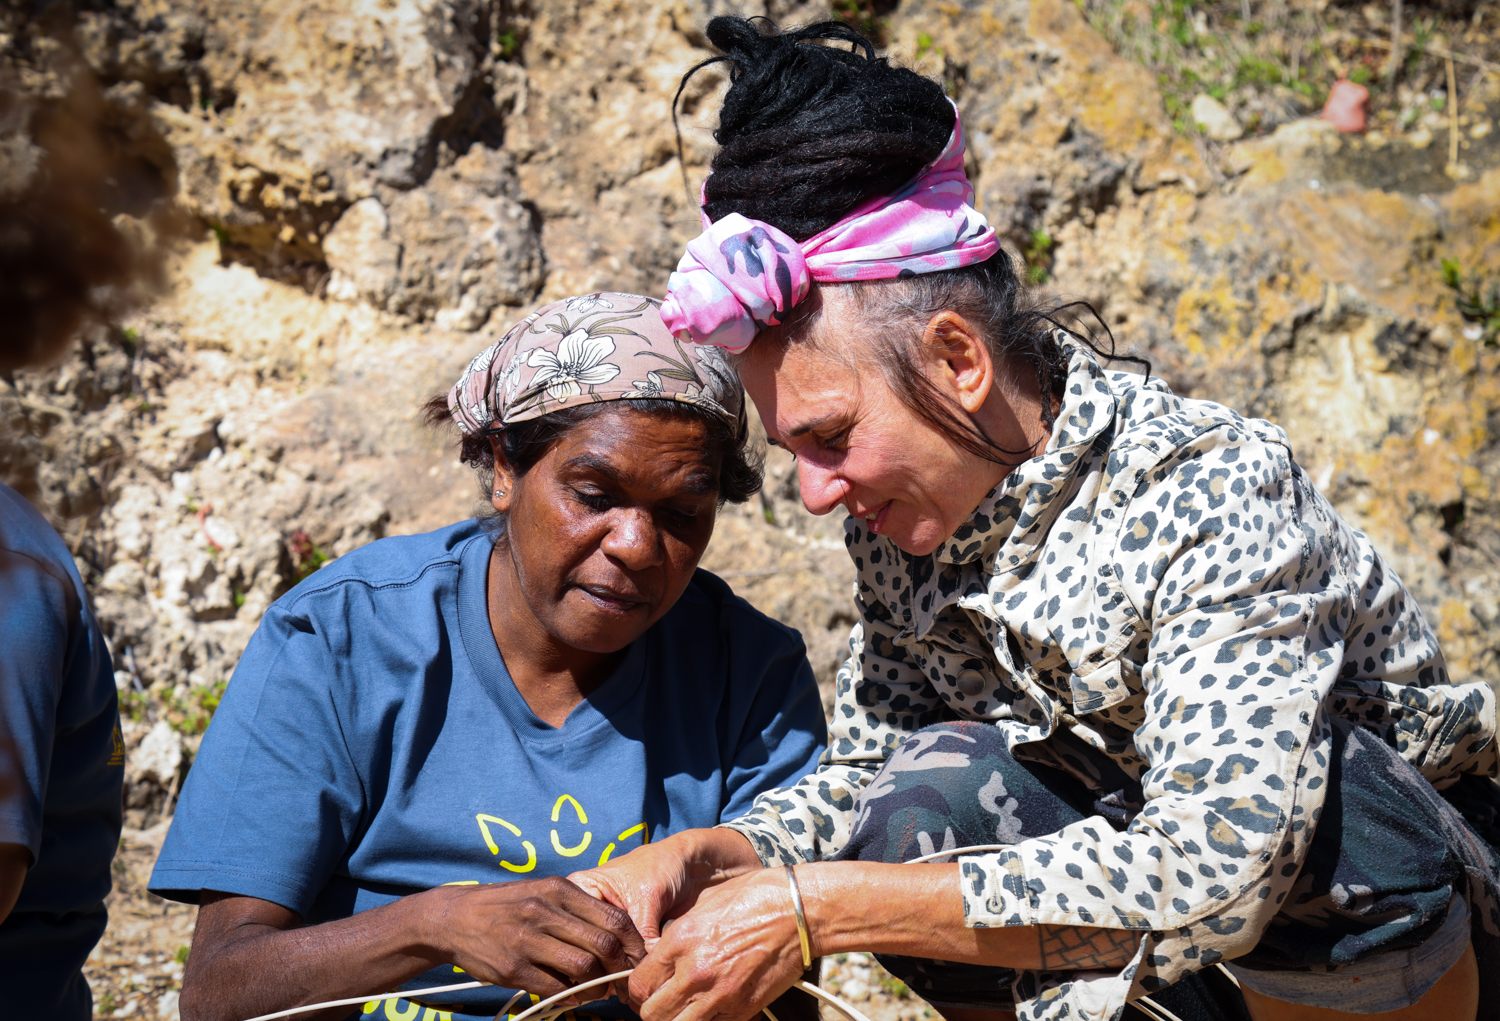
x=117 y=753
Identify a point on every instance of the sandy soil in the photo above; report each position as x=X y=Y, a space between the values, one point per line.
x=136 y=970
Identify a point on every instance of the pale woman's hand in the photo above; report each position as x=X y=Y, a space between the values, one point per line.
x=733 y=953
x=662 y=880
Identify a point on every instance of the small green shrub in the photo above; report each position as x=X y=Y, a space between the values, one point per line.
x=1477 y=301
x=1038 y=256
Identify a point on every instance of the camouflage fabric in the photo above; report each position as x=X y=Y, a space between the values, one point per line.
x=1387 y=856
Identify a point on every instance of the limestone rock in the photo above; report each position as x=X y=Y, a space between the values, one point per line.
x=158 y=757
x=1215 y=119
x=364 y=259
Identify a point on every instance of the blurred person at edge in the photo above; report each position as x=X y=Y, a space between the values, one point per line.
x=1115 y=631
x=61 y=755
x=426 y=736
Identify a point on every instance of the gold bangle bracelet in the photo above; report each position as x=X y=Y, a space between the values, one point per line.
x=791 y=880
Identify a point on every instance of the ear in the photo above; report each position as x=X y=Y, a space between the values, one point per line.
x=958 y=356
x=504 y=490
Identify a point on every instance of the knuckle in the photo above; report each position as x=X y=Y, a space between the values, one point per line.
x=615 y=917
x=578 y=963
x=607 y=944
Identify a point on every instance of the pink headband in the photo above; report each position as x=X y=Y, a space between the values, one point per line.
x=740 y=275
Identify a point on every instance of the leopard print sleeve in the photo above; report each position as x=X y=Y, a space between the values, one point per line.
x=880 y=698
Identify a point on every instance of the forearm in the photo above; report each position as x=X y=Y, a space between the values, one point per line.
x=14 y=860
x=714 y=855
x=917 y=911
x=250 y=969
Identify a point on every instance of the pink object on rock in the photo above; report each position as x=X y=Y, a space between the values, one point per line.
x=1345 y=108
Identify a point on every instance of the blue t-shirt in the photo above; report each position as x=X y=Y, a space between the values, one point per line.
x=62 y=764
x=371 y=743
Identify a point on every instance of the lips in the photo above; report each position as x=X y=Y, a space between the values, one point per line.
x=612 y=600
x=877 y=523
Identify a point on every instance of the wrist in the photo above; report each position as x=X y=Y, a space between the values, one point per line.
x=879 y=908
x=711 y=856
x=426 y=922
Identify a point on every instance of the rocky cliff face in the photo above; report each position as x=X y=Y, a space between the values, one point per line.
x=368 y=193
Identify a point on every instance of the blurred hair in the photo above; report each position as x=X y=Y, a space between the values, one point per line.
x=526 y=443
x=63 y=260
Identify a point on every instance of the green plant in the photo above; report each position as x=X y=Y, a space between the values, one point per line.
x=894 y=987
x=180 y=955
x=926 y=46
x=133 y=704
x=220 y=233
x=1476 y=302
x=1038 y=257
x=191 y=715
x=509 y=43
x=307 y=556
x=107 y=1002
x=866 y=15
x=1421 y=32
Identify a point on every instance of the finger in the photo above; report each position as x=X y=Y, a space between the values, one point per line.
x=590 y=883
x=641 y=904
x=520 y=974
x=679 y=1000
x=648 y=978
x=626 y=947
x=563 y=957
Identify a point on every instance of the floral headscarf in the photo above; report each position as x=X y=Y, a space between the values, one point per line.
x=596 y=347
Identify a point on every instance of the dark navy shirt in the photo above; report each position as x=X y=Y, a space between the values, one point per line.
x=371 y=743
x=61 y=767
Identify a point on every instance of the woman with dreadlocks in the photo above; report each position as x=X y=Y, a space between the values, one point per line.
x=1112 y=635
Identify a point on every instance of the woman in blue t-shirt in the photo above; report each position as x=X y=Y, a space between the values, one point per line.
x=425 y=736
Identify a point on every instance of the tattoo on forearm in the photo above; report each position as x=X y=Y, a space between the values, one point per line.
x=1076 y=948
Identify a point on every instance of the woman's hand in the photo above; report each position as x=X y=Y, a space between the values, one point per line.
x=663 y=880
x=541 y=935
x=731 y=955
x=251 y=956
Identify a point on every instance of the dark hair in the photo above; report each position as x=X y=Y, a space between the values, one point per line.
x=526 y=443
x=807 y=133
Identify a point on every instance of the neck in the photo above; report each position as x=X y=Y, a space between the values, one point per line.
x=551 y=676
x=1011 y=417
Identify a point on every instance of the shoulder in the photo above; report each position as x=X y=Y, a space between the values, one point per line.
x=389 y=568
x=709 y=605
x=28 y=540
x=1156 y=426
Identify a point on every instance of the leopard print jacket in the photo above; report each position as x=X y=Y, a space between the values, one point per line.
x=1164 y=606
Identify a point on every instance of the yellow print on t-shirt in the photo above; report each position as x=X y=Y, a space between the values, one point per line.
x=492 y=828
x=403 y=1010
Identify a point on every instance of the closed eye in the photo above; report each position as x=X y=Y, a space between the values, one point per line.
x=594 y=501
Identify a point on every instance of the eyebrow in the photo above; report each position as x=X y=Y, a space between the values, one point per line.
x=802 y=428
x=701 y=482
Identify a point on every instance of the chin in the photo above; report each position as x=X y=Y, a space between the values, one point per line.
x=920 y=540
x=603 y=633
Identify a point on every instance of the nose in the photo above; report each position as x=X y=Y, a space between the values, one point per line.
x=633 y=539
x=822 y=489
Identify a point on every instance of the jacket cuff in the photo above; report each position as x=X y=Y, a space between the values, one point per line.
x=994 y=890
